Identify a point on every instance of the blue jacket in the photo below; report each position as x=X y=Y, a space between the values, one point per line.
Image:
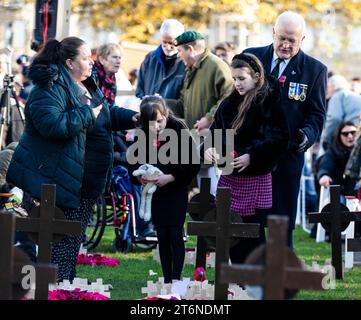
x=154 y=77
x=344 y=105
x=59 y=127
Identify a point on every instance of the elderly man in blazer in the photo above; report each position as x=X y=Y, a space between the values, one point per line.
x=303 y=97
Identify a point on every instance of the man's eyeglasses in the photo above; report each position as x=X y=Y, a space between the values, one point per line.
x=346 y=133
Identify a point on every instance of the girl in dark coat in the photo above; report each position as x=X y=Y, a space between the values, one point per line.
x=67 y=138
x=260 y=136
x=169 y=202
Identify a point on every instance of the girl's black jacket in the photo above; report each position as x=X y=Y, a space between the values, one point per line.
x=263 y=134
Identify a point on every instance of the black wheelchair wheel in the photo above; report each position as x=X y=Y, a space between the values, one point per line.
x=97 y=224
x=121 y=245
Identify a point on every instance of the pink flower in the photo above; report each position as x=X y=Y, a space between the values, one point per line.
x=200 y=274
x=282 y=79
x=76 y=294
x=97 y=259
x=82 y=259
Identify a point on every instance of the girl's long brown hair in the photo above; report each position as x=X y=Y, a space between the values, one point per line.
x=258 y=94
x=149 y=108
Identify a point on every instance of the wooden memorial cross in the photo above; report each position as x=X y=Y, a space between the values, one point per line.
x=199 y=205
x=335 y=217
x=47 y=225
x=12 y=261
x=7 y=224
x=273 y=266
x=223 y=230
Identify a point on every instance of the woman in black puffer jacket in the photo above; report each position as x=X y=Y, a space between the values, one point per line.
x=67 y=138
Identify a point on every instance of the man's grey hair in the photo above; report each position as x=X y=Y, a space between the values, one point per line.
x=292 y=18
x=172 y=28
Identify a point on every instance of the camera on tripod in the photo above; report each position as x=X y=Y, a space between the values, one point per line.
x=8 y=82
x=11 y=117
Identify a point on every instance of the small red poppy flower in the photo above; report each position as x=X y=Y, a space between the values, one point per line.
x=282 y=79
x=234 y=154
x=156 y=143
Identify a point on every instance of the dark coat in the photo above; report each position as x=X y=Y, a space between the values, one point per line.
x=308 y=115
x=53 y=146
x=169 y=204
x=157 y=75
x=263 y=134
x=51 y=149
x=120 y=148
x=333 y=164
x=353 y=165
x=99 y=152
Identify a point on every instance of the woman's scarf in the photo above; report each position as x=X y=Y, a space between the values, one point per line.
x=106 y=83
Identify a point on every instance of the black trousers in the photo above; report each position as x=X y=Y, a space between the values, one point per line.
x=171 y=251
x=240 y=252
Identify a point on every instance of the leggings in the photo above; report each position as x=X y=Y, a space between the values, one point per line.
x=245 y=246
x=171 y=251
x=65 y=253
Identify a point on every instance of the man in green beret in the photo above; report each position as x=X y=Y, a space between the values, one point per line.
x=208 y=79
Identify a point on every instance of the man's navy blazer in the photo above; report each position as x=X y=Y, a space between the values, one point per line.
x=308 y=115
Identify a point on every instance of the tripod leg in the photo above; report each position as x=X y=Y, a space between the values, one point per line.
x=4 y=107
x=16 y=119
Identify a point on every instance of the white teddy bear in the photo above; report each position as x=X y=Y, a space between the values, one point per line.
x=149 y=172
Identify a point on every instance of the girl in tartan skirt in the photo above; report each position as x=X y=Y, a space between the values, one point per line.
x=260 y=132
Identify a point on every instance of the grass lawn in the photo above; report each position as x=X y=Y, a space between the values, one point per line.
x=132 y=274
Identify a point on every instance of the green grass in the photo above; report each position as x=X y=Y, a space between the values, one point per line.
x=308 y=250
x=132 y=274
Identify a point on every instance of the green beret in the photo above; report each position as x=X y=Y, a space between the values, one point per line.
x=187 y=37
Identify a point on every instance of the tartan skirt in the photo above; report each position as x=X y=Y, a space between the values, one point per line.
x=248 y=192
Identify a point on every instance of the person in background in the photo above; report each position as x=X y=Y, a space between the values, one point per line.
x=344 y=105
x=355 y=85
x=333 y=162
x=109 y=57
x=208 y=80
x=133 y=77
x=26 y=84
x=225 y=51
x=162 y=72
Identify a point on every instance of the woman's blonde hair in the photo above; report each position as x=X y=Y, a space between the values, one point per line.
x=105 y=50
